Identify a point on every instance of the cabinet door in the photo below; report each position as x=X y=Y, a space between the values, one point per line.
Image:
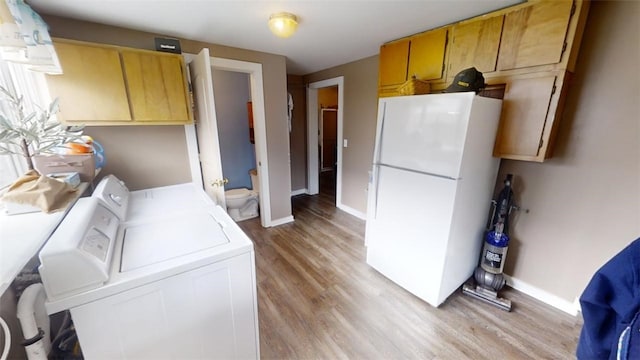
x=92 y=86
x=524 y=121
x=426 y=55
x=393 y=63
x=475 y=44
x=156 y=84
x=534 y=35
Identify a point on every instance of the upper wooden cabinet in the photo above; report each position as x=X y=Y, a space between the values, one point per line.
x=426 y=55
x=531 y=111
x=110 y=85
x=92 y=87
x=535 y=35
x=421 y=56
x=394 y=58
x=156 y=86
x=475 y=44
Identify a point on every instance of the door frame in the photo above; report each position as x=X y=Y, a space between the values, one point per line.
x=254 y=70
x=313 y=166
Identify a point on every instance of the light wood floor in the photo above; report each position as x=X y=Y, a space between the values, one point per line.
x=318 y=299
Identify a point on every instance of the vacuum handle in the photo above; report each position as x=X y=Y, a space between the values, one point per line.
x=494 y=207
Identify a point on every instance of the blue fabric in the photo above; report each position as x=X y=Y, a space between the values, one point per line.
x=629 y=342
x=609 y=303
x=633 y=349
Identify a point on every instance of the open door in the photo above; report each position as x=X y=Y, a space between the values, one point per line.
x=207 y=127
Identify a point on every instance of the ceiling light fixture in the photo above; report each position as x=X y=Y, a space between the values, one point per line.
x=283 y=24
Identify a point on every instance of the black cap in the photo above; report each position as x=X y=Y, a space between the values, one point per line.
x=467 y=80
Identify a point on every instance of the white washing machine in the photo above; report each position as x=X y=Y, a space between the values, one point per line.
x=160 y=273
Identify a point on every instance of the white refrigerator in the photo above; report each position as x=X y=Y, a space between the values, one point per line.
x=430 y=190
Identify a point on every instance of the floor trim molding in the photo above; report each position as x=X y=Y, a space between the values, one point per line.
x=299 y=192
x=281 y=221
x=571 y=308
x=352 y=211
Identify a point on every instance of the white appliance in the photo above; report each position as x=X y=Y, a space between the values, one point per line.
x=160 y=273
x=431 y=185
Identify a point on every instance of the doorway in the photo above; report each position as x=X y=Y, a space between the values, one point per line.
x=328 y=138
x=254 y=71
x=314 y=146
x=237 y=145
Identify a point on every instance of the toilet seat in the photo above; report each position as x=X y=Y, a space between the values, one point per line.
x=238 y=193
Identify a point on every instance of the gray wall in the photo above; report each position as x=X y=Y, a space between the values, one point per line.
x=231 y=93
x=144 y=156
x=359 y=127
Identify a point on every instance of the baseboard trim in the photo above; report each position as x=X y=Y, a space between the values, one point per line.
x=352 y=211
x=284 y=220
x=569 y=307
x=299 y=192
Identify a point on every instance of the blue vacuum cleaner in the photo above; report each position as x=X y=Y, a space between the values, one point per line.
x=488 y=278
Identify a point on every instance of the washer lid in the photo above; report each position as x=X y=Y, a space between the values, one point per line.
x=153 y=242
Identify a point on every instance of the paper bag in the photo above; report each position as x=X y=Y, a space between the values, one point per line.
x=48 y=194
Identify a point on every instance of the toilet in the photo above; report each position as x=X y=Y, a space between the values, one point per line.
x=242 y=204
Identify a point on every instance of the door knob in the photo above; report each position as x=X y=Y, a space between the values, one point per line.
x=220 y=182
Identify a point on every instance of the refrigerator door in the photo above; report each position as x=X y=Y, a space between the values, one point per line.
x=424 y=133
x=408 y=228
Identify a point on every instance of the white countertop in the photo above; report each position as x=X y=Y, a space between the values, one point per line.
x=22 y=236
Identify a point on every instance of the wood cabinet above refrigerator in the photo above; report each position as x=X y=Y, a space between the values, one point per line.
x=529 y=50
x=420 y=56
x=535 y=35
x=474 y=44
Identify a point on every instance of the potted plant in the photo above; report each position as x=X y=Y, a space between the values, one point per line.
x=29 y=133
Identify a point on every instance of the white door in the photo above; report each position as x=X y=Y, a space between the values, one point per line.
x=207 y=127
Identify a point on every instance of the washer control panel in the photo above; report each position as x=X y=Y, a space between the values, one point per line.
x=101 y=234
x=77 y=256
x=114 y=194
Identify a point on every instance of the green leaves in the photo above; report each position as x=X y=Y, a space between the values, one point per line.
x=37 y=129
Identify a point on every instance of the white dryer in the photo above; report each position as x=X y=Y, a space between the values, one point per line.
x=160 y=273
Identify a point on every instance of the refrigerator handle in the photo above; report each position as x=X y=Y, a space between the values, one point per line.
x=378 y=144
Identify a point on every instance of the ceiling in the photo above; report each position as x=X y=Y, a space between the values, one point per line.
x=330 y=32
